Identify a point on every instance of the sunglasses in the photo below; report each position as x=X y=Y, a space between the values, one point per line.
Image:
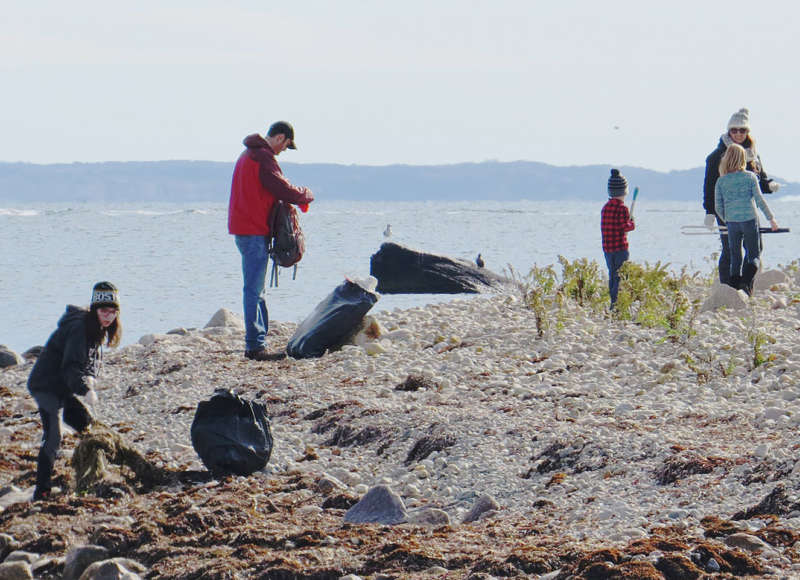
x=739 y=130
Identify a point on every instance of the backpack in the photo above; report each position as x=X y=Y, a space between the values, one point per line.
x=286 y=243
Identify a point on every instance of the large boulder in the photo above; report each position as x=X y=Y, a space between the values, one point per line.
x=766 y=279
x=380 y=505
x=401 y=270
x=8 y=358
x=723 y=296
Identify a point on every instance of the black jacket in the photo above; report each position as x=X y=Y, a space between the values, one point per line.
x=712 y=174
x=67 y=359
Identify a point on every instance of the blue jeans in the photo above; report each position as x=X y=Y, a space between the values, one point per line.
x=743 y=233
x=254 y=270
x=614 y=261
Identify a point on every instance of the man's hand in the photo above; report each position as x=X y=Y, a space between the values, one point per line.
x=710 y=221
x=773 y=224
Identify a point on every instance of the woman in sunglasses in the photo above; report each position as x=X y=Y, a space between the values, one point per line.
x=738 y=133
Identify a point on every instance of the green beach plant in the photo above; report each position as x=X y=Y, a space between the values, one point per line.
x=653 y=296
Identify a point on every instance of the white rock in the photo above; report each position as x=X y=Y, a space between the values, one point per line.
x=226 y=318
x=725 y=296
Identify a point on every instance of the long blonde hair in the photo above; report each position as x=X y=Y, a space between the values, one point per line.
x=735 y=159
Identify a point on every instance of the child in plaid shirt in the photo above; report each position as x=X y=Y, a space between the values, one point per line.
x=615 y=223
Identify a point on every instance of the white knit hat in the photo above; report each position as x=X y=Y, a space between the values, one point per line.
x=740 y=120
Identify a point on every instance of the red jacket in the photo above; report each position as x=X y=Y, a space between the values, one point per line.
x=257 y=182
x=615 y=223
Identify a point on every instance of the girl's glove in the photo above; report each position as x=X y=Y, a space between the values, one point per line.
x=91 y=398
x=774 y=186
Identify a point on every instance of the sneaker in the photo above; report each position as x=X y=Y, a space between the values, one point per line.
x=261 y=354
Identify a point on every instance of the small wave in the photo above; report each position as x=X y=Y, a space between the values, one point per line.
x=7 y=211
x=141 y=212
x=789 y=198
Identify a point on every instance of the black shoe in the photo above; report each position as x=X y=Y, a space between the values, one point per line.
x=261 y=354
x=40 y=495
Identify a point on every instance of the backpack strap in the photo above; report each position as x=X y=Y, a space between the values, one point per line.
x=273 y=275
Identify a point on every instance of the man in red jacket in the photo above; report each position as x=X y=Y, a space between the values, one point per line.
x=257 y=182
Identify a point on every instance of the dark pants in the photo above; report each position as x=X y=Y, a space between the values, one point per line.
x=76 y=416
x=614 y=261
x=49 y=407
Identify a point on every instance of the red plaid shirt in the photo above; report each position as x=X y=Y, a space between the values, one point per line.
x=615 y=222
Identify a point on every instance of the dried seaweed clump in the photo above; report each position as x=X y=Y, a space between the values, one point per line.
x=101 y=446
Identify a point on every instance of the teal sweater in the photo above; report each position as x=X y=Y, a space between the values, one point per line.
x=734 y=194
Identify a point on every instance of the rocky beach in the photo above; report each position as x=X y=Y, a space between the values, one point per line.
x=591 y=447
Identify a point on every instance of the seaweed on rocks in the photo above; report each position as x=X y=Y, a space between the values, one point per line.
x=776 y=502
x=415 y=383
x=575 y=456
x=682 y=465
x=436 y=441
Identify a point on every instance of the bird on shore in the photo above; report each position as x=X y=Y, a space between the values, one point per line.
x=387 y=233
x=479 y=261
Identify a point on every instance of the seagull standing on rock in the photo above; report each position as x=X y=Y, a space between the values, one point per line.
x=387 y=233
x=479 y=261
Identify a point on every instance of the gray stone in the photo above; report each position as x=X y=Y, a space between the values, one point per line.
x=327 y=484
x=7 y=544
x=226 y=318
x=114 y=569
x=8 y=358
x=746 y=542
x=769 y=278
x=178 y=331
x=18 y=570
x=15 y=495
x=80 y=558
x=380 y=505
x=33 y=352
x=483 y=504
x=21 y=556
x=723 y=295
x=712 y=565
x=429 y=517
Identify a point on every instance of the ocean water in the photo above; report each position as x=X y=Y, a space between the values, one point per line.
x=176 y=265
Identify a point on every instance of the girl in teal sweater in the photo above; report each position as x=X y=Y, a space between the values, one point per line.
x=734 y=195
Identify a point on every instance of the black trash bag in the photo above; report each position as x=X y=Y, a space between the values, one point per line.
x=333 y=321
x=76 y=414
x=231 y=435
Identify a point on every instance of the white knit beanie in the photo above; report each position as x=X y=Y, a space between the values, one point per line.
x=740 y=120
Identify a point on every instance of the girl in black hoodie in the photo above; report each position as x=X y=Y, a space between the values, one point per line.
x=67 y=368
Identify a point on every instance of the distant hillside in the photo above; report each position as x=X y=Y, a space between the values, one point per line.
x=210 y=181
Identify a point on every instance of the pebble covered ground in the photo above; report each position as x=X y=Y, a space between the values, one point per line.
x=600 y=437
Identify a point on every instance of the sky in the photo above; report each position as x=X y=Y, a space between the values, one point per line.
x=414 y=82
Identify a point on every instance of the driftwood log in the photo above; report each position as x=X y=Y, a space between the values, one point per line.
x=402 y=270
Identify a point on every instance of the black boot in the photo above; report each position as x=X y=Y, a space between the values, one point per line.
x=44 y=474
x=748 y=277
x=735 y=282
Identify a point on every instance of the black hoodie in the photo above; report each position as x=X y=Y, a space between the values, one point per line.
x=67 y=359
